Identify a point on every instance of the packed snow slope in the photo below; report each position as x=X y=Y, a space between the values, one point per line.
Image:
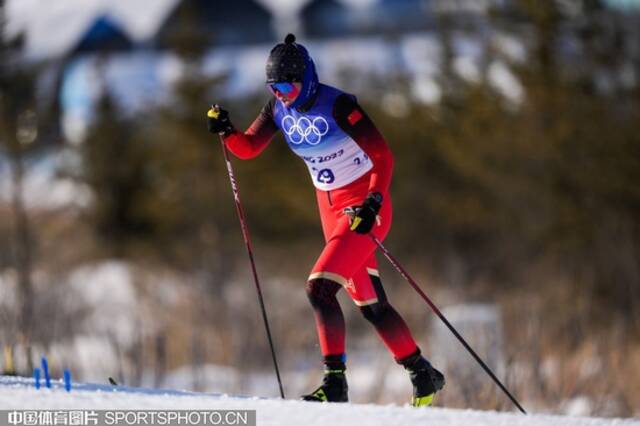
x=19 y=393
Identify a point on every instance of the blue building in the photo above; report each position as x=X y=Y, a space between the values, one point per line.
x=105 y=34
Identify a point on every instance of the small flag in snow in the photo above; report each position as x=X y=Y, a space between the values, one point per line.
x=67 y=379
x=45 y=370
x=36 y=377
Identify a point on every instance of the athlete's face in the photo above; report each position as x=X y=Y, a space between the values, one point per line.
x=286 y=92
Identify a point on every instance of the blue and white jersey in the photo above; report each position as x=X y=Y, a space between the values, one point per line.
x=334 y=159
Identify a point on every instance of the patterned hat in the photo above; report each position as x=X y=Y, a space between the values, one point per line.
x=286 y=62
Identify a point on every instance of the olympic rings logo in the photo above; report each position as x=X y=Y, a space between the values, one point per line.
x=304 y=129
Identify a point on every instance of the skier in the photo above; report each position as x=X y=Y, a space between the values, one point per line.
x=351 y=167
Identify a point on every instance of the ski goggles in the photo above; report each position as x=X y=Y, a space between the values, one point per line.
x=285 y=88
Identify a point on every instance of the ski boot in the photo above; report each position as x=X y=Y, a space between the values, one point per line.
x=426 y=380
x=333 y=388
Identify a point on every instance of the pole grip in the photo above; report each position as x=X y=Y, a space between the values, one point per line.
x=214 y=112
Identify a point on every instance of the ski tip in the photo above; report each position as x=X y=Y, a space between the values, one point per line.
x=113 y=382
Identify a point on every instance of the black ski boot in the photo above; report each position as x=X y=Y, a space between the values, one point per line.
x=426 y=379
x=334 y=385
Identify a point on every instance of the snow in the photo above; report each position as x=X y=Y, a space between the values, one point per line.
x=91 y=355
x=107 y=291
x=53 y=28
x=481 y=324
x=467 y=68
x=42 y=187
x=109 y=305
x=578 y=406
x=137 y=80
x=140 y=19
x=19 y=393
x=505 y=82
x=284 y=6
x=426 y=90
x=513 y=48
x=114 y=317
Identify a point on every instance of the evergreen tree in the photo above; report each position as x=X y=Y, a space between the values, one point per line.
x=18 y=130
x=114 y=167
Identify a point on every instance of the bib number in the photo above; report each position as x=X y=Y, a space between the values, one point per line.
x=325 y=176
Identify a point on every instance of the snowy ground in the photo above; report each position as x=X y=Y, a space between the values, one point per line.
x=19 y=393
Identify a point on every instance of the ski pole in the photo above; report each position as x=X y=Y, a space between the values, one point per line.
x=435 y=309
x=247 y=242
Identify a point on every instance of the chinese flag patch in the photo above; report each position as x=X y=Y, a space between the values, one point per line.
x=354 y=117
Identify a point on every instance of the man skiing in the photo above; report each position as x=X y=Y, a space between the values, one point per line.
x=351 y=167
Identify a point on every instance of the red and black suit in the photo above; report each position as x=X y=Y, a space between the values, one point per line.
x=347 y=158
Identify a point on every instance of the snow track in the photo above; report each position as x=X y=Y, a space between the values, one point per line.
x=19 y=393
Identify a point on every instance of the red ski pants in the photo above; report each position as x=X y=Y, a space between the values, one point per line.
x=348 y=260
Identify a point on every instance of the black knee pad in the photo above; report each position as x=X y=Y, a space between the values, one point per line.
x=375 y=312
x=321 y=291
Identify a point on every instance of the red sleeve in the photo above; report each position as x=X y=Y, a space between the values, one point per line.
x=256 y=138
x=354 y=121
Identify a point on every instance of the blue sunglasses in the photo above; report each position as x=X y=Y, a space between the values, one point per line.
x=283 y=87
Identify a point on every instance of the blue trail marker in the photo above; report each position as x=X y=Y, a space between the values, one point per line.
x=45 y=370
x=36 y=377
x=67 y=379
